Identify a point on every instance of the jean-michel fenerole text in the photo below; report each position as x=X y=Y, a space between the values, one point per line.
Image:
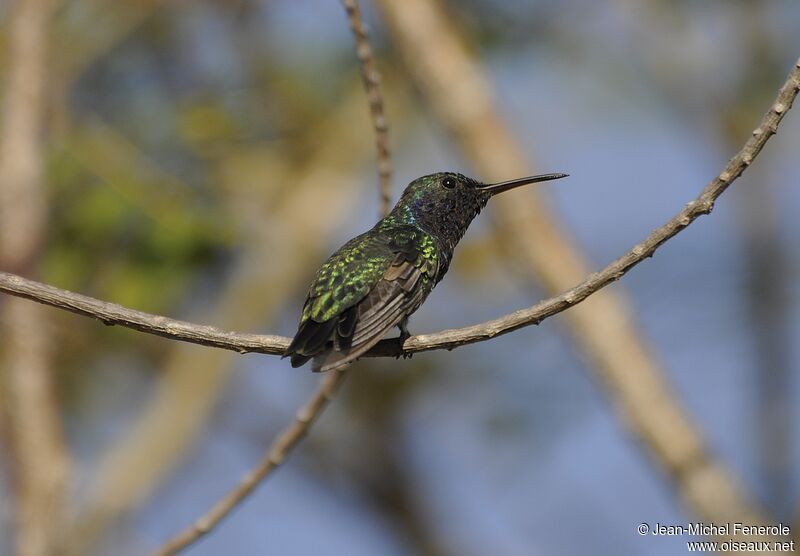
x=721 y=530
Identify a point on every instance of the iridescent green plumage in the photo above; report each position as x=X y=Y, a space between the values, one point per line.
x=377 y=279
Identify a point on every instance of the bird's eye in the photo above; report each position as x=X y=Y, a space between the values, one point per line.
x=449 y=183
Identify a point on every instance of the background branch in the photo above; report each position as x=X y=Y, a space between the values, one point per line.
x=38 y=455
x=277 y=453
x=372 y=85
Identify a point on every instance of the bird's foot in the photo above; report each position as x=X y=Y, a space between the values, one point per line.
x=404 y=335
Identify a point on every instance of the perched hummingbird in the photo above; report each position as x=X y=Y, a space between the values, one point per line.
x=377 y=279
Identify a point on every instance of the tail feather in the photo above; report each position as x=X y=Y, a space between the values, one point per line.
x=312 y=338
x=298 y=360
x=333 y=359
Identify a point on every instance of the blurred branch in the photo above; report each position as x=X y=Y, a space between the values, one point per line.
x=307 y=414
x=603 y=329
x=372 y=84
x=112 y=314
x=40 y=461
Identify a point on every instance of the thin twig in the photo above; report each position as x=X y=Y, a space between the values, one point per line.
x=113 y=314
x=372 y=85
x=276 y=454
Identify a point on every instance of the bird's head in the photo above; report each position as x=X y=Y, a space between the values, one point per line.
x=446 y=202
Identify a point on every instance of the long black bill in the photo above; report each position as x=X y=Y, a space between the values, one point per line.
x=495 y=188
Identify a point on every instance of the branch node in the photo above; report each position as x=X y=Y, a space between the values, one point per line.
x=203 y=525
x=304 y=416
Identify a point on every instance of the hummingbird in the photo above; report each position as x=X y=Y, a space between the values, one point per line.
x=376 y=280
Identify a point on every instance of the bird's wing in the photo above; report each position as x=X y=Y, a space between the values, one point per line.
x=405 y=283
x=362 y=291
x=342 y=281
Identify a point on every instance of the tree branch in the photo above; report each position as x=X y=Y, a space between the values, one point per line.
x=372 y=84
x=113 y=314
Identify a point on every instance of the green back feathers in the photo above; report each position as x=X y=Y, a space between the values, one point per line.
x=350 y=273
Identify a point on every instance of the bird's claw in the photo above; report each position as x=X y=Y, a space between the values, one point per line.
x=404 y=335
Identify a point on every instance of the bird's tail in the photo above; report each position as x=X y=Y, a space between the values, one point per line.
x=310 y=340
x=334 y=359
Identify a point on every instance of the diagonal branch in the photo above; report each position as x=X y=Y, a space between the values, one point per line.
x=112 y=314
x=276 y=454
